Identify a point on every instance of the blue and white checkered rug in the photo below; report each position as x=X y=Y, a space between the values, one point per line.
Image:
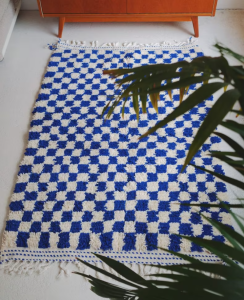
x=88 y=185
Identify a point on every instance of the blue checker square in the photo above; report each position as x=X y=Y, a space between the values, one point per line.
x=141 y=227
x=119 y=186
x=31 y=195
x=175 y=242
x=152 y=177
x=16 y=206
x=108 y=215
x=174 y=217
x=201 y=186
x=119 y=205
x=27 y=216
x=12 y=225
x=97 y=227
x=58 y=206
x=106 y=241
x=51 y=196
x=185 y=229
x=152 y=216
x=142 y=205
x=141 y=152
x=84 y=241
x=36 y=227
x=25 y=169
x=78 y=206
x=70 y=195
x=47 y=216
x=75 y=227
x=66 y=216
x=54 y=177
x=152 y=241
x=34 y=177
x=130 y=215
x=20 y=187
x=55 y=227
x=142 y=186
x=118 y=226
x=81 y=186
x=141 y=169
x=87 y=216
x=22 y=239
x=129 y=242
x=153 y=195
x=163 y=228
x=42 y=187
x=63 y=240
x=39 y=160
x=100 y=205
x=101 y=186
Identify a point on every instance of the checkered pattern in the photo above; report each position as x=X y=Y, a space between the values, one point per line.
x=89 y=184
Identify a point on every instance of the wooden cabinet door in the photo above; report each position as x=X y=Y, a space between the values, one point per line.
x=83 y=6
x=171 y=6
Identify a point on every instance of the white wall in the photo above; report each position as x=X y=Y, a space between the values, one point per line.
x=222 y=4
x=29 y=5
x=229 y=4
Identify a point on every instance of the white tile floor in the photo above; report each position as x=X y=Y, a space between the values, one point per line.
x=20 y=77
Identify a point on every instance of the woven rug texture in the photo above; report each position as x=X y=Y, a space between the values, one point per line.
x=89 y=185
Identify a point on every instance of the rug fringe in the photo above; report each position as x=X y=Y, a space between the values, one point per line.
x=24 y=267
x=16 y=267
x=96 y=44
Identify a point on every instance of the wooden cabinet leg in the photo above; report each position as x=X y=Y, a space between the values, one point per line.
x=61 y=26
x=195 y=25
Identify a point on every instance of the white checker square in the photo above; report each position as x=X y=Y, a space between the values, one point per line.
x=108 y=226
x=119 y=215
x=68 y=205
x=88 y=205
x=152 y=227
x=129 y=227
x=45 y=226
x=97 y=216
x=141 y=216
x=65 y=226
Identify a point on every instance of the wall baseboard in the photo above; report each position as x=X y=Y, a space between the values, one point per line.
x=10 y=29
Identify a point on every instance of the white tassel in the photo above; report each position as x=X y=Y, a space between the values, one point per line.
x=112 y=271
x=80 y=266
x=143 y=270
x=94 y=43
x=25 y=267
x=98 y=274
x=76 y=44
x=61 y=271
x=134 y=268
x=64 y=269
x=140 y=269
x=44 y=266
x=149 y=270
x=2 y=266
x=67 y=269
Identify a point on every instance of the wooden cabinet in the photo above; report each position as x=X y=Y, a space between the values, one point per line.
x=127 y=11
x=83 y=6
x=169 y=6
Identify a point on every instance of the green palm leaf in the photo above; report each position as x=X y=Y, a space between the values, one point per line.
x=233 y=144
x=217 y=113
x=234 y=126
x=235 y=182
x=191 y=280
x=194 y=99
